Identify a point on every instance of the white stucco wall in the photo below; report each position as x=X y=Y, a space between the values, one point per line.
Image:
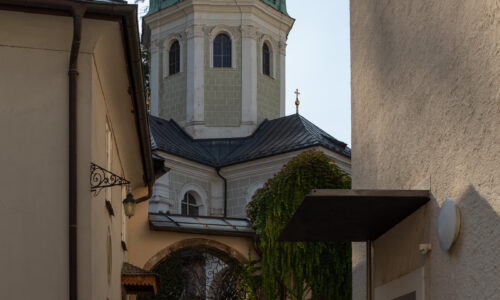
x=187 y=176
x=243 y=180
x=426 y=107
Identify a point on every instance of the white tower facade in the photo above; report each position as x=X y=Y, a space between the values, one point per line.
x=217 y=66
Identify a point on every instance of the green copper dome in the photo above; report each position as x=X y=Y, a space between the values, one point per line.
x=279 y=5
x=157 y=5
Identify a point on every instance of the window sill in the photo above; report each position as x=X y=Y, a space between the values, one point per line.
x=268 y=77
x=223 y=69
x=172 y=75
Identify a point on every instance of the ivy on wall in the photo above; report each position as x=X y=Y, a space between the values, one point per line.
x=295 y=269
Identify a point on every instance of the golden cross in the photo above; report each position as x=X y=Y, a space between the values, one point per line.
x=297 y=102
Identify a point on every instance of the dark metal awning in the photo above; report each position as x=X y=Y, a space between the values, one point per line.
x=137 y=281
x=351 y=215
x=201 y=225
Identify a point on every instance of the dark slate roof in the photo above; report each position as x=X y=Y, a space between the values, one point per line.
x=272 y=137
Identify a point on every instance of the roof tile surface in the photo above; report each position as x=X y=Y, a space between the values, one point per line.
x=272 y=137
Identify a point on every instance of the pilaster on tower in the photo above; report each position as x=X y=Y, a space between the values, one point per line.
x=217 y=66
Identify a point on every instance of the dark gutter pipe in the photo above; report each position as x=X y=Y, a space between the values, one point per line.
x=77 y=11
x=369 y=270
x=225 y=191
x=133 y=53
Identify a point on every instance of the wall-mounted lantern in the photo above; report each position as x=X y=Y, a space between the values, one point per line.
x=101 y=178
x=129 y=204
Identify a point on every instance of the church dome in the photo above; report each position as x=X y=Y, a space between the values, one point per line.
x=279 y=5
x=157 y=5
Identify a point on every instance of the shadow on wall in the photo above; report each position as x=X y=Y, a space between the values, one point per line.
x=473 y=260
x=429 y=68
x=480 y=225
x=425 y=102
x=437 y=47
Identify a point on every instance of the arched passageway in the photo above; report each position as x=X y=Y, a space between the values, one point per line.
x=198 y=269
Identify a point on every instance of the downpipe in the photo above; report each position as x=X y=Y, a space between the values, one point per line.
x=225 y=191
x=77 y=12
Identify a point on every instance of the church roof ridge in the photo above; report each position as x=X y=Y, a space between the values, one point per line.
x=320 y=133
x=272 y=137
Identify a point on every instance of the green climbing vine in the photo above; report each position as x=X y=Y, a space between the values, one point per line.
x=298 y=268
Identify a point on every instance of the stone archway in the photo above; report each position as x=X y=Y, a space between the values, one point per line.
x=193 y=243
x=197 y=269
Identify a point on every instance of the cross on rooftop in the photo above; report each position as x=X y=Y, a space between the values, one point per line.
x=297 y=102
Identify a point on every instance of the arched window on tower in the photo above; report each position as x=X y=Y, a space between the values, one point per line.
x=189 y=205
x=174 y=58
x=266 y=60
x=222 y=51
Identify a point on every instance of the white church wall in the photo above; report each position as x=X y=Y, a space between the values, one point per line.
x=246 y=178
x=243 y=180
x=185 y=176
x=240 y=192
x=178 y=184
x=160 y=200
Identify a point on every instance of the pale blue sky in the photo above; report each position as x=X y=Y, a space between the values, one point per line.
x=318 y=64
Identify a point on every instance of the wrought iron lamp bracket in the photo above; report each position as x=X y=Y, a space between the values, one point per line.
x=101 y=178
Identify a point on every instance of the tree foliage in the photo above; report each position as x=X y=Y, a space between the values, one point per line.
x=145 y=58
x=323 y=268
x=171 y=279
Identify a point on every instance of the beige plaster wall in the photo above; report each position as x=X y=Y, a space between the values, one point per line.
x=426 y=107
x=33 y=118
x=147 y=247
x=34 y=58
x=113 y=145
x=101 y=223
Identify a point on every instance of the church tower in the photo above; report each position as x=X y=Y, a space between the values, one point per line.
x=217 y=66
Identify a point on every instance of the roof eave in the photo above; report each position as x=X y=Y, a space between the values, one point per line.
x=128 y=15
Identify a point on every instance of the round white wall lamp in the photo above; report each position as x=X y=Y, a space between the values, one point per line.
x=448 y=224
